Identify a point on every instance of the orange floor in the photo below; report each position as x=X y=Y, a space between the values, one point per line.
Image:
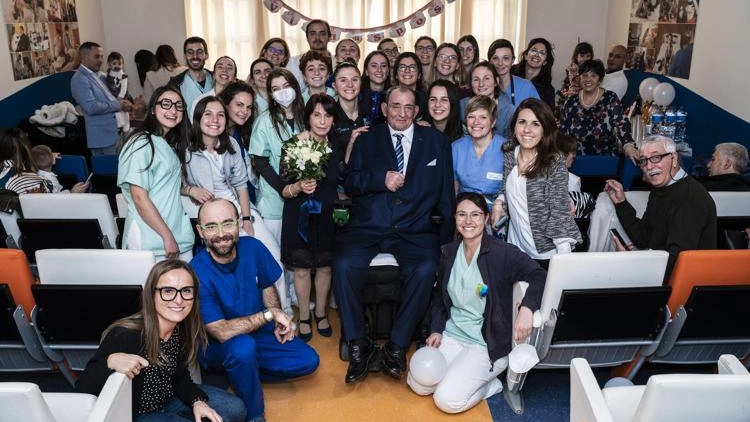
x=324 y=396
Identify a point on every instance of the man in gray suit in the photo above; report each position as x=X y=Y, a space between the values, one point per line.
x=96 y=102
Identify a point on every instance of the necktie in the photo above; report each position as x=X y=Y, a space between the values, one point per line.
x=399 y=152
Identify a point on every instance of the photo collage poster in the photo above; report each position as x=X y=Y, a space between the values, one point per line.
x=661 y=35
x=43 y=36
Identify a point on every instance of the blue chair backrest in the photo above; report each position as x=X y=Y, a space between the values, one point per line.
x=72 y=164
x=595 y=165
x=104 y=164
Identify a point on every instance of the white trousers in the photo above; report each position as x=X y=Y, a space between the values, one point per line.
x=269 y=233
x=470 y=377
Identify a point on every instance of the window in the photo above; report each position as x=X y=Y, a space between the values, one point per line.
x=238 y=28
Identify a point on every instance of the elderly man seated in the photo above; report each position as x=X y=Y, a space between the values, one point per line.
x=725 y=169
x=680 y=214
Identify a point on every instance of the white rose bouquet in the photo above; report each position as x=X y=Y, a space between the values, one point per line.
x=305 y=158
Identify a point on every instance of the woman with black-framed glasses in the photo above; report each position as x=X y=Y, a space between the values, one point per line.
x=150 y=176
x=155 y=347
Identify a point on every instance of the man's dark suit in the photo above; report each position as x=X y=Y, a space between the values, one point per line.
x=394 y=222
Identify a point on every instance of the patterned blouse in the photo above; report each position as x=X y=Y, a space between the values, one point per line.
x=601 y=129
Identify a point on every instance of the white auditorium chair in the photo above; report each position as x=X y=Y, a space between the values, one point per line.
x=94 y=266
x=602 y=306
x=67 y=220
x=22 y=401
x=721 y=397
x=81 y=292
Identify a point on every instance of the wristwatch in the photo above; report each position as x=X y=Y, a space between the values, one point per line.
x=249 y=218
x=268 y=315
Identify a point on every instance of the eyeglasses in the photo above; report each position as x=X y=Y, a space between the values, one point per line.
x=535 y=52
x=654 y=159
x=169 y=294
x=390 y=51
x=274 y=50
x=425 y=48
x=407 y=68
x=474 y=216
x=214 y=228
x=166 y=104
x=444 y=57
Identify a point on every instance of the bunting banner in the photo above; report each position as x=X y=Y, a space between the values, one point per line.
x=290 y=17
x=373 y=34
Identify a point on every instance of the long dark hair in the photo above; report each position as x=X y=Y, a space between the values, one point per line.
x=177 y=137
x=196 y=135
x=166 y=58
x=547 y=152
x=453 y=128
x=275 y=109
x=366 y=77
x=15 y=147
x=545 y=73
x=227 y=95
x=147 y=320
x=144 y=62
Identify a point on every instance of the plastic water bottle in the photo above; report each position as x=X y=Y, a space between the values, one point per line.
x=680 y=134
x=668 y=127
x=657 y=118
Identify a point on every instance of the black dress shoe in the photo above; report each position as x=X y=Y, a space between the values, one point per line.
x=394 y=360
x=360 y=354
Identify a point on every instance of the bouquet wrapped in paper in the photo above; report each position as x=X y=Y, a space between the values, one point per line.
x=305 y=158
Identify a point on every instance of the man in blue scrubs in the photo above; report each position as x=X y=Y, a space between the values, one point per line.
x=238 y=300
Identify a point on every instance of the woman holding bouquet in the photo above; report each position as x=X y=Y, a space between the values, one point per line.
x=309 y=175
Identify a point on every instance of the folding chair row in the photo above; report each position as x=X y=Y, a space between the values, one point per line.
x=66 y=220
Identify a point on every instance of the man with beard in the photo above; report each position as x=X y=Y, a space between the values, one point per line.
x=680 y=214
x=238 y=300
x=318 y=34
x=196 y=80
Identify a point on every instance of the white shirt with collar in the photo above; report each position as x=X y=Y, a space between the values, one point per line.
x=406 y=142
x=100 y=82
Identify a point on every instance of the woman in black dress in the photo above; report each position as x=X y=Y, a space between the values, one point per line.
x=317 y=250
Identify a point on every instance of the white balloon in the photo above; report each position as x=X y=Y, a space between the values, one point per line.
x=428 y=366
x=663 y=94
x=646 y=88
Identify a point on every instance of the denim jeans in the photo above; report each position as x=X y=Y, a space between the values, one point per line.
x=226 y=404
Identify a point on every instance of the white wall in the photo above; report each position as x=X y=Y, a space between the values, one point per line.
x=721 y=64
x=133 y=25
x=90 y=29
x=564 y=24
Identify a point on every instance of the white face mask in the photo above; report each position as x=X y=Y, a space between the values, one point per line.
x=285 y=96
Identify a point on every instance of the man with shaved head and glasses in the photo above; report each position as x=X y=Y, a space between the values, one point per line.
x=680 y=214
x=250 y=336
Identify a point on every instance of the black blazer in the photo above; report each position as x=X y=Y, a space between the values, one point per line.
x=428 y=189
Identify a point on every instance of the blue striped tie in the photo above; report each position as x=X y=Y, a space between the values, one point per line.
x=399 y=152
